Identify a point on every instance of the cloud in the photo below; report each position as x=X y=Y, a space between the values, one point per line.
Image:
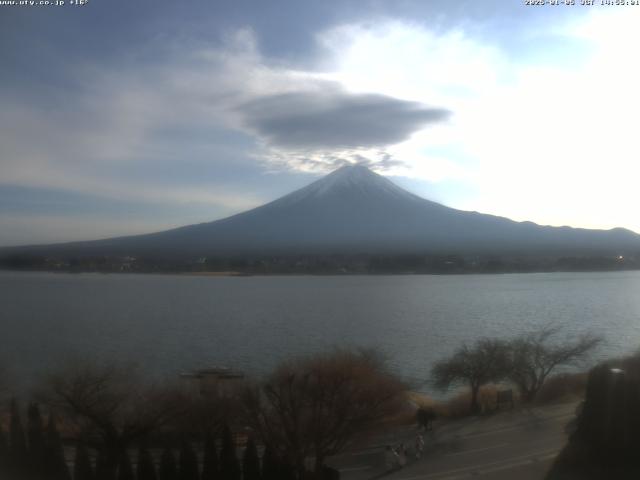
x=326 y=119
x=327 y=161
x=153 y=132
x=162 y=131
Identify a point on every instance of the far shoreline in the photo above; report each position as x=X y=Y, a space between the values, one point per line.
x=233 y=273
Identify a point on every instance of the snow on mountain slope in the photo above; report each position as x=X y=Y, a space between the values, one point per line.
x=357 y=180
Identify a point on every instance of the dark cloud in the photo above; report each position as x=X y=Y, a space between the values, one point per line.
x=336 y=120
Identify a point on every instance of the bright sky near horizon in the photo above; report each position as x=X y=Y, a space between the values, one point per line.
x=122 y=117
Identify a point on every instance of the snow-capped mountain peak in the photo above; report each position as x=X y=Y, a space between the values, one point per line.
x=354 y=181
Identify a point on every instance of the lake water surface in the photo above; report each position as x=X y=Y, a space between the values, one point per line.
x=169 y=323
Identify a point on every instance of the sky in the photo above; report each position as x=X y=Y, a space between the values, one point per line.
x=120 y=117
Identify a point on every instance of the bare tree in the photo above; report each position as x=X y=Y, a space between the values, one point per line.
x=110 y=403
x=486 y=361
x=313 y=407
x=534 y=356
x=207 y=414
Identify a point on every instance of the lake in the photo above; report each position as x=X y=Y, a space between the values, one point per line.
x=171 y=323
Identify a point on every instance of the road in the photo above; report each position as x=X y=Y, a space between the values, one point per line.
x=519 y=444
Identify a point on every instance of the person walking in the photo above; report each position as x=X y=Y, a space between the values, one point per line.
x=402 y=455
x=390 y=458
x=419 y=445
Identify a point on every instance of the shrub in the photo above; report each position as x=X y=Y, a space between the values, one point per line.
x=561 y=387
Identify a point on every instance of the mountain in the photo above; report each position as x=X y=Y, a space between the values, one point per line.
x=354 y=210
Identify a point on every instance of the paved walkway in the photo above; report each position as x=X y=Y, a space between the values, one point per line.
x=519 y=444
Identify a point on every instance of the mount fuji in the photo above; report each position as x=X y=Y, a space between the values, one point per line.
x=354 y=210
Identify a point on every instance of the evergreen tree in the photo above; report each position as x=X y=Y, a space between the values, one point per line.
x=4 y=452
x=251 y=462
x=270 y=465
x=188 y=462
x=125 y=470
x=285 y=470
x=35 y=435
x=229 y=466
x=54 y=461
x=17 y=443
x=82 y=469
x=146 y=468
x=168 y=469
x=210 y=468
x=104 y=468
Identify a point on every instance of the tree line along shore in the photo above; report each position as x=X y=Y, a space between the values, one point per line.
x=328 y=264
